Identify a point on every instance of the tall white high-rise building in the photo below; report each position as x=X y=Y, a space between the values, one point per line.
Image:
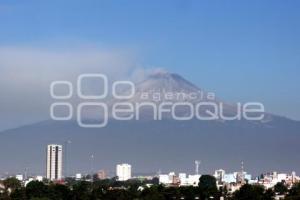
x=54 y=162
x=123 y=172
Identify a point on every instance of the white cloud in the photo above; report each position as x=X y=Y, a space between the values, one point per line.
x=26 y=73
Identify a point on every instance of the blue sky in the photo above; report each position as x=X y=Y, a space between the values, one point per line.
x=242 y=50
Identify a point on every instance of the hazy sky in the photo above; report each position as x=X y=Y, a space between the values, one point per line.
x=242 y=50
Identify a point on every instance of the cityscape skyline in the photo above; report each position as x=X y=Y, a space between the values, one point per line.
x=232 y=181
x=55 y=165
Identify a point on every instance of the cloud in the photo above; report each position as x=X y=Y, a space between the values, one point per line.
x=26 y=73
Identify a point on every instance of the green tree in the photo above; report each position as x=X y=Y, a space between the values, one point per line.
x=19 y=194
x=11 y=184
x=251 y=192
x=188 y=193
x=280 y=188
x=82 y=190
x=223 y=191
x=118 y=194
x=208 y=187
x=155 y=192
x=269 y=194
x=171 y=193
x=247 y=192
x=294 y=193
x=59 y=192
x=37 y=189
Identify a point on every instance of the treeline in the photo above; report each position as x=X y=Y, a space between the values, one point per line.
x=111 y=189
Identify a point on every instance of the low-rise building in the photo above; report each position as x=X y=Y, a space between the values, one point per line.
x=182 y=179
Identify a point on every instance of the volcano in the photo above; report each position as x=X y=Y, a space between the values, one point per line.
x=161 y=90
x=152 y=145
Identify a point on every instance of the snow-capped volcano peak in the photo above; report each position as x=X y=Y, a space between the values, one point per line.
x=165 y=81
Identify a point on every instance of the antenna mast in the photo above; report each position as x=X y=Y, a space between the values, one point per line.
x=197 y=163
